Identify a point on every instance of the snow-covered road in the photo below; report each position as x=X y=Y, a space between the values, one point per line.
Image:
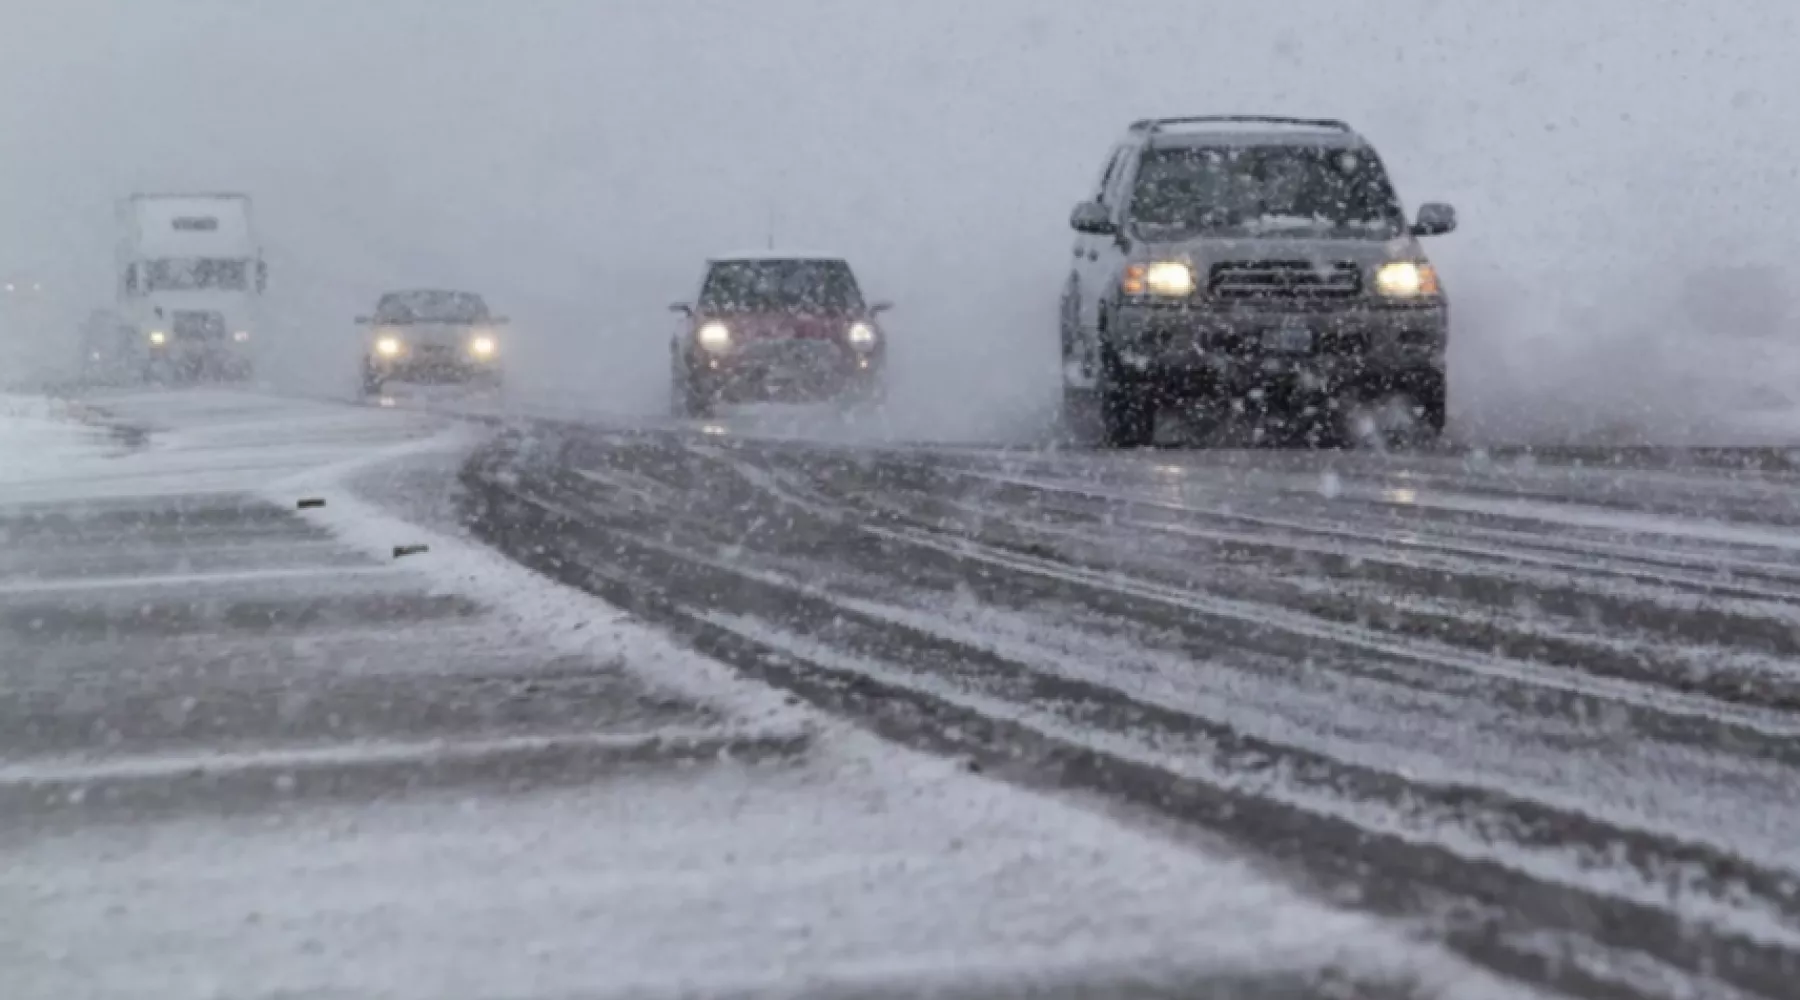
x=1551 y=704
x=245 y=751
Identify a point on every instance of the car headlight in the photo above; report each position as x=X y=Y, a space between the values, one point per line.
x=861 y=336
x=483 y=347
x=242 y=336
x=388 y=347
x=158 y=338
x=1169 y=278
x=714 y=336
x=1406 y=279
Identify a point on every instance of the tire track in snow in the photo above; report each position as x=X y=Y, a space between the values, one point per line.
x=1494 y=550
x=1166 y=576
x=677 y=580
x=1467 y=591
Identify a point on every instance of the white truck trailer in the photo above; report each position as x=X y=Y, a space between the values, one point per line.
x=191 y=279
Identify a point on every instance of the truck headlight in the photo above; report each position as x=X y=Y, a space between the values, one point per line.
x=388 y=347
x=861 y=336
x=714 y=336
x=1406 y=279
x=483 y=347
x=158 y=338
x=1169 y=278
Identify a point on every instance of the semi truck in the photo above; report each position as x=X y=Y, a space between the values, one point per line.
x=191 y=280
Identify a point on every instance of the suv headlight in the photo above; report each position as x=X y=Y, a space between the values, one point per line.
x=714 y=336
x=1169 y=278
x=861 y=336
x=1406 y=279
x=483 y=346
x=388 y=346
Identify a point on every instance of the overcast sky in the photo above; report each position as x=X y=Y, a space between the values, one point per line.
x=574 y=159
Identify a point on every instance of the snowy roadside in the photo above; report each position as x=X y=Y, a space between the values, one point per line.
x=572 y=621
x=42 y=437
x=858 y=867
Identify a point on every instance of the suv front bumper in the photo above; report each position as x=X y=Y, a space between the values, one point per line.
x=432 y=368
x=790 y=369
x=1343 y=347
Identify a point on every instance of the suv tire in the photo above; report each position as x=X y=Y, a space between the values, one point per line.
x=688 y=397
x=1127 y=407
x=1080 y=416
x=1425 y=396
x=1422 y=396
x=1432 y=396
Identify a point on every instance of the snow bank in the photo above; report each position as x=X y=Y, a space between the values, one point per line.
x=207 y=442
x=533 y=605
x=44 y=439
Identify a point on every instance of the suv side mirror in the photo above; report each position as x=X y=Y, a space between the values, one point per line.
x=682 y=308
x=1092 y=217
x=262 y=276
x=1435 y=219
x=877 y=308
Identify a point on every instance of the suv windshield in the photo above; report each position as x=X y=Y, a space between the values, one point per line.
x=196 y=274
x=431 y=307
x=783 y=285
x=1191 y=191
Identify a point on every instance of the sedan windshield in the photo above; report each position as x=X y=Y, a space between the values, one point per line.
x=825 y=286
x=1263 y=189
x=431 y=307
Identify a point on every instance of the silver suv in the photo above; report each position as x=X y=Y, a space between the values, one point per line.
x=1248 y=263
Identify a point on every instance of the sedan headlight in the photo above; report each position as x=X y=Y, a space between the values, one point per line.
x=714 y=336
x=861 y=336
x=1168 y=278
x=388 y=347
x=1406 y=279
x=483 y=347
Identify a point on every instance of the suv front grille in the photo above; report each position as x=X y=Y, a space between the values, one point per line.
x=1281 y=280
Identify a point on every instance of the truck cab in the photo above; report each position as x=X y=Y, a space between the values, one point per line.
x=191 y=279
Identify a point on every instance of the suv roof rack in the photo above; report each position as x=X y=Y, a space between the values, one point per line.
x=1153 y=125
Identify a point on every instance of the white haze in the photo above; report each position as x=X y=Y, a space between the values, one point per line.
x=575 y=160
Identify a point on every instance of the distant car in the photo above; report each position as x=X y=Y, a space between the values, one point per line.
x=432 y=336
x=1255 y=263
x=776 y=327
